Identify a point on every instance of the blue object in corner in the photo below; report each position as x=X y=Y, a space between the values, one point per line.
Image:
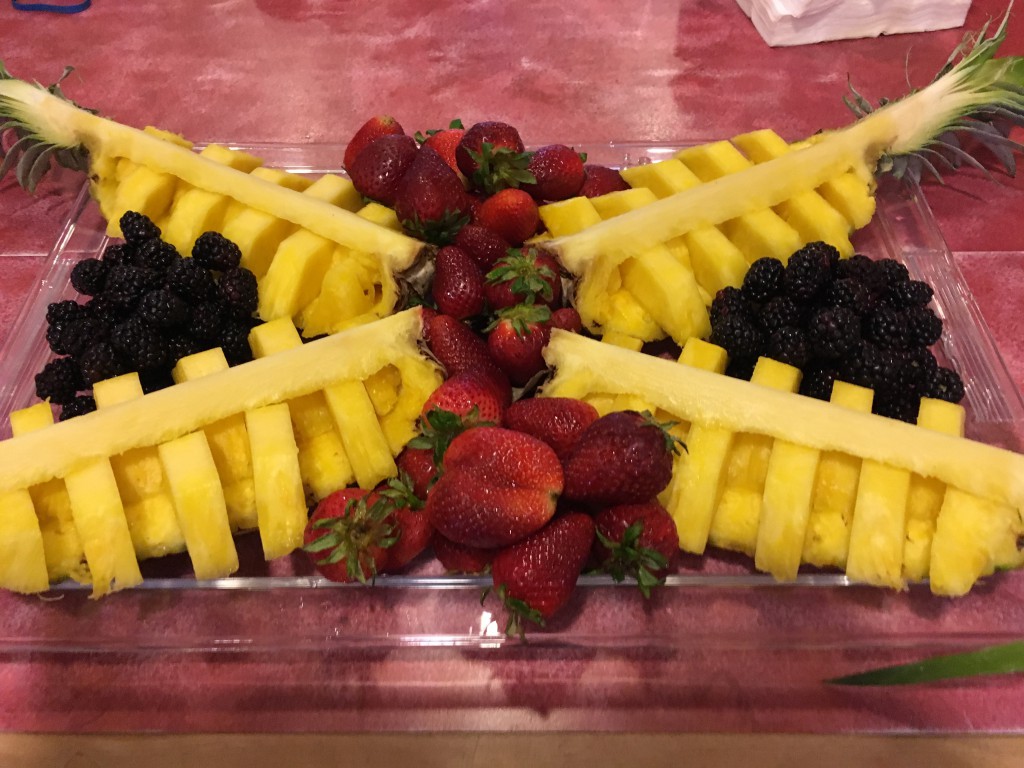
x=51 y=7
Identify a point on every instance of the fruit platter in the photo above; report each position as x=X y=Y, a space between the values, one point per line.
x=265 y=362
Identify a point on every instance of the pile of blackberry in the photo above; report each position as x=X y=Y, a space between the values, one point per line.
x=146 y=307
x=858 y=320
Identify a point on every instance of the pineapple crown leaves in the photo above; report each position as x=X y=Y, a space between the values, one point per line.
x=31 y=153
x=528 y=278
x=628 y=558
x=438 y=232
x=499 y=168
x=522 y=317
x=672 y=443
x=519 y=612
x=455 y=125
x=348 y=536
x=438 y=427
x=981 y=97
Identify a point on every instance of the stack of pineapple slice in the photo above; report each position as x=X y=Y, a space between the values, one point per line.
x=665 y=290
x=790 y=480
x=224 y=450
x=324 y=283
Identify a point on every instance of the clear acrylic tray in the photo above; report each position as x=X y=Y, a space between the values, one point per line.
x=712 y=604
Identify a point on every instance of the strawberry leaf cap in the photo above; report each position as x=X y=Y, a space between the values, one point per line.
x=438 y=427
x=628 y=558
x=499 y=168
x=527 y=278
x=441 y=231
x=349 y=537
x=522 y=317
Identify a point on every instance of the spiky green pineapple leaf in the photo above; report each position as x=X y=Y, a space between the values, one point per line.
x=993 y=660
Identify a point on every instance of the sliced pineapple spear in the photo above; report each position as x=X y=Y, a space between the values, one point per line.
x=382 y=360
x=977 y=526
x=821 y=190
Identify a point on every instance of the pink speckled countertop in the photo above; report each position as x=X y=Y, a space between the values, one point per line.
x=294 y=71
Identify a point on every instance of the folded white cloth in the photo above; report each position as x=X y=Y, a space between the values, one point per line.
x=798 y=22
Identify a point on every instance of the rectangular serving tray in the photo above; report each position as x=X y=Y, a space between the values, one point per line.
x=713 y=603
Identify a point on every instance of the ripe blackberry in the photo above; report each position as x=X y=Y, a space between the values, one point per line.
x=849 y=293
x=234 y=341
x=206 y=320
x=190 y=280
x=728 y=301
x=154 y=379
x=910 y=293
x=779 y=312
x=807 y=272
x=137 y=227
x=163 y=308
x=64 y=311
x=741 y=368
x=891 y=273
x=101 y=361
x=789 y=345
x=214 y=251
x=945 y=384
x=72 y=337
x=238 y=288
x=77 y=407
x=179 y=345
x=817 y=381
x=156 y=254
x=858 y=267
x=870 y=366
x=898 y=405
x=888 y=328
x=126 y=284
x=834 y=333
x=89 y=276
x=119 y=253
x=918 y=368
x=103 y=308
x=141 y=345
x=738 y=336
x=763 y=280
x=923 y=326
x=59 y=381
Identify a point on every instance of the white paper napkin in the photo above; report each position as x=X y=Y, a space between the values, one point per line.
x=798 y=22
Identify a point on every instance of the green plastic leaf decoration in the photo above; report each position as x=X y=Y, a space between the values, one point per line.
x=993 y=660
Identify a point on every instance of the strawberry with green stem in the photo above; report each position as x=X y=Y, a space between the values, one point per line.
x=517 y=338
x=524 y=276
x=492 y=156
x=430 y=201
x=349 y=534
x=444 y=141
x=638 y=541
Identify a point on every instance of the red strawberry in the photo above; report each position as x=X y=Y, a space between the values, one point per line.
x=458 y=349
x=418 y=465
x=510 y=213
x=444 y=142
x=497 y=487
x=412 y=529
x=558 y=421
x=349 y=534
x=492 y=156
x=518 y=339
x=378 y=169
x=483 y=245
x=622 y=458
x=568 y=319
x=528 y=276
x=600 y=180
x=431 y=201
x=536 y=576
x=374 y=128
x=458 y=288
x=559 y=172
x=458 y=558
x=636 y=540
x=466 y=392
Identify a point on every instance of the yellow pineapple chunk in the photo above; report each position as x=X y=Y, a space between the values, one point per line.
x=926 y=493
x=698 y=472
x=663 y=178
x=61 y=544
x=145 y=191
x=835 y=491
x=199 y=500
x=566 y=217
x=785 y=509
x=622 y=340
x=228 y=442
x=668 y=291
x=716 y=262
x=22 y=557
x=323 y=463
x=361 y=434
x=148 y=507
x=380 y=214
x=616 y=203
x=197 y=211
x=879 y=523
x=737 y=517
x=99 y=517
x=280 y=499
x=419 y=378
